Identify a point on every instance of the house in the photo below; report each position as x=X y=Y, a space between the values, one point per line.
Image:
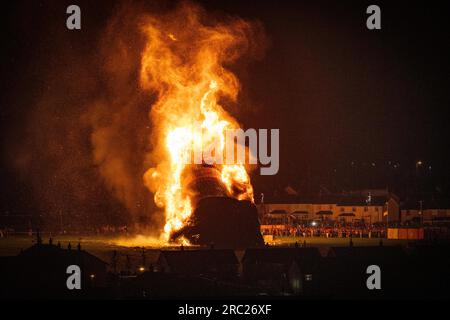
x=428 y=266
x=212 y=263
x=283 y=270
x=345 y=270
x=369 y=206
x=158 y=285
x=41 y=271
x=430 y=211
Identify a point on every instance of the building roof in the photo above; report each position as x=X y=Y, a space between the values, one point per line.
x=278 y=212
x=339 y=199
x=294 y=199
x=378 y=253
x=176 y=258
x=49 y=251
x=359 y=201
x=281 y=255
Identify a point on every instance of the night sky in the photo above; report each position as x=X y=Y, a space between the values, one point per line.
x=355 y=108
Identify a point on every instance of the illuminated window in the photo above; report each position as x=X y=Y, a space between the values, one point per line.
x=308 y=277
x=296 y=284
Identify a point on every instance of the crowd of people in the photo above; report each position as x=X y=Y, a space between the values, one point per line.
x=336 y=231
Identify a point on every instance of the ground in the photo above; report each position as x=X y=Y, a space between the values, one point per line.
x=103 y=246
x=336 y=242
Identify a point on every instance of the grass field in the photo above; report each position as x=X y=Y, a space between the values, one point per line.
x=336 y=242
x=103 y=246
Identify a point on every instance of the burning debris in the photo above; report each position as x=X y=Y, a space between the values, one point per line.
x=218 y=218
x=224 y=223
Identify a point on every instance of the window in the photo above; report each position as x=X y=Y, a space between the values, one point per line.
x=366 y=209
x=308 y=277
x=354 y=209
x=296 y=285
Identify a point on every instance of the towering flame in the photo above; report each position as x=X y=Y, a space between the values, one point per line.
x=183 y=63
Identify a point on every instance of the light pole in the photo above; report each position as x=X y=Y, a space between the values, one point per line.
x=387 y=217
x=421 y=213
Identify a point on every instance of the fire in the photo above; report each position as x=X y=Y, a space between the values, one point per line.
x=183 y=63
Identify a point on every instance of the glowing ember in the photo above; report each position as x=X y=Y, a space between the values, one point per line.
x=183 y=63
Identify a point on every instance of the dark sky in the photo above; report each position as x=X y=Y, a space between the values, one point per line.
x=338 y=92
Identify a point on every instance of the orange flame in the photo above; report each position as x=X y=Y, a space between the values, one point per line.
x=183 y=63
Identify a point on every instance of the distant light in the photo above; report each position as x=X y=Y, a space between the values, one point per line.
x=419 y=163
x=141 y=269
x=313 y=223
x=308 y=277
x=92 y=276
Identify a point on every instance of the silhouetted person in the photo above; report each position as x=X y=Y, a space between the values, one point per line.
x=69 y=247
x=59 y=244
x=296 y=244
x=351 y=242
x=79 y=246
x=50 y=241
x=182 y=247
x=38 y=238
x=381 y=242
